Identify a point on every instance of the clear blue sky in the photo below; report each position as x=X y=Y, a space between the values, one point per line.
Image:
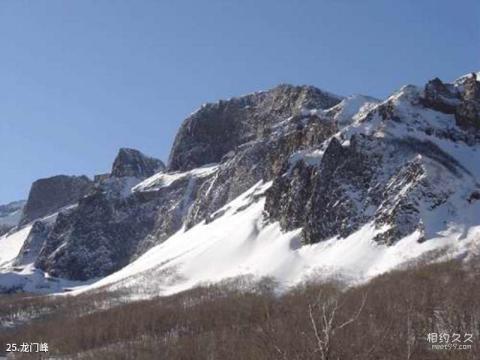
x=81 y=78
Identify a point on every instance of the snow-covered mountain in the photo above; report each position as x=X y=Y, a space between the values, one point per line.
x=290 y=183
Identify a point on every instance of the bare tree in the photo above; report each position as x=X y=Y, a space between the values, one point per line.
x=411 y=338
x=327 y=325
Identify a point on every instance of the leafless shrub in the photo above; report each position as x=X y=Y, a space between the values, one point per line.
x=251 y=321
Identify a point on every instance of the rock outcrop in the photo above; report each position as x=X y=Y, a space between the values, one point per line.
x=441 y=97
x=133 y=163
x=34 y=243
x=461 y=99
x=104 y=232
x=324 y=200
x=51 y=194
x=377 y=177
x=216 y=129
x=261 y=160
x=468 y=112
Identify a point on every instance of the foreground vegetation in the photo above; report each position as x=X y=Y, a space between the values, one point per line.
x=388 y=318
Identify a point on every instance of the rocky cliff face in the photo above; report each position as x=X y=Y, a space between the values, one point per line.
x=384 y=169
x=131 y=162
x=323 y=199
x=334 y=165
x=259 y=160
x=216 y=129
x=106 y=231
x=101 y=233
x=114 y=225
x=461 y=99
x=49 y=195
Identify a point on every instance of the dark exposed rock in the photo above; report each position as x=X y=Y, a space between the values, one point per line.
x=400 y=216
x=441 y=97
x=467 y=113
x=98 y=237
x=344 y=176
x=108 y=229
x=318 y=198
x=216 y=129
x=34 y=243
x=471 y=89
x=474 y=196
x=371 y=180
x=387 y=111
x=256 y=161
x=462 y=100
x=131 y=162
x=288 y=196
x=50 y=194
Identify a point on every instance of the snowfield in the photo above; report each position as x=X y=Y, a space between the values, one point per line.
x=10 y=245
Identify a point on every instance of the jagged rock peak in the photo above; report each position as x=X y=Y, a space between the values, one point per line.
x=440 y=96
x=131 y=162
x=471 y=88
x=218 y=128
x=462 y=98
x=50 y=194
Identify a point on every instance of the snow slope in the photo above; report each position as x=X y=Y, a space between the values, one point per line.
x=10 y=245
x=352 y=108
x=239 y=244
x=162 y=180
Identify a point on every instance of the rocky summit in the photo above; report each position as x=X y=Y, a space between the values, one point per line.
x=322 y=168
x=216 y=129
x=131 y=162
